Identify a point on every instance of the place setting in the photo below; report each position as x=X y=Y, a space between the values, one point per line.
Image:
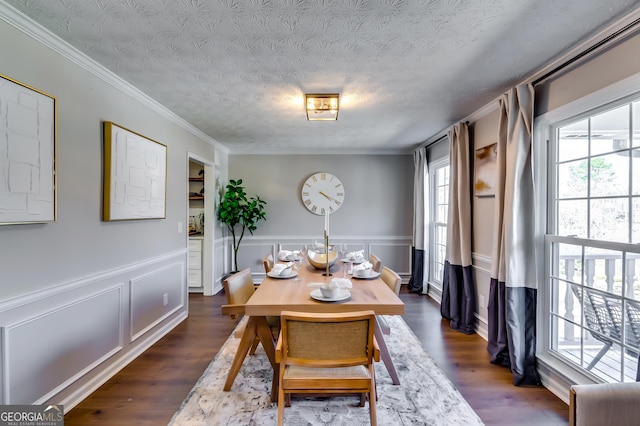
x=335 y=290
x=354 y=257
x=282 y=271
x=289 y=255
x=364 y=271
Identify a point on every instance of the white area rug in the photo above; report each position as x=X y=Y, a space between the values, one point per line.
x=424 y=397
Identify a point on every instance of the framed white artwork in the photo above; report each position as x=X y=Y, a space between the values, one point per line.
x=135 y=175
x=27 y=154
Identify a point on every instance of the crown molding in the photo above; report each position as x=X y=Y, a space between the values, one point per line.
x=589 y=42
x=37 y=32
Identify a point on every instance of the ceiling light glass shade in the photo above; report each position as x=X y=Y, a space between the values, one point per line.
x=322 y=106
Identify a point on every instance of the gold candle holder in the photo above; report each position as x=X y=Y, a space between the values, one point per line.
x=326 y=253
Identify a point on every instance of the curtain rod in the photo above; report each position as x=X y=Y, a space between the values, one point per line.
x=436 y=141
x=427 y=145
x=560 y=67
x=587 y=51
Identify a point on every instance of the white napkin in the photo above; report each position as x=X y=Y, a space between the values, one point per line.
x=288 y=255
x=334 y=283
x=282 y=268
x=339 y=283
x=316 y=246
x=355 y=255
x=362 y=267
x=282 y=254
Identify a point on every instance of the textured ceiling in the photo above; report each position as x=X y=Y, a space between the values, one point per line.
x=405 y=69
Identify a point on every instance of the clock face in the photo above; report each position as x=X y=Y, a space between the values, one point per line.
x=322 y=192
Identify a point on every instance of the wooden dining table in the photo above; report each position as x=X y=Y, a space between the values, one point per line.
x=275 y=295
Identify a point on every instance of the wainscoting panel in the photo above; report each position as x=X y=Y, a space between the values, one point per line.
x=482 y=272
x=60 y=344
x=155 y=296
x=47 y=352
x=251 y=254
x=396 y=256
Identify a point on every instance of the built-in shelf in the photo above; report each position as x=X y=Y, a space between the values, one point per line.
x=196 y=179
x=197 y=198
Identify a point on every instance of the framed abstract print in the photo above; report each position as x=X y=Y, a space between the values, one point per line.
x=135 y=175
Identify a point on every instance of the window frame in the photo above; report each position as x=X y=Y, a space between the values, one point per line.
x=434 y=166
x=545 y=132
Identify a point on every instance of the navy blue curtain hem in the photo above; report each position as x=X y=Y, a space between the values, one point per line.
x=459 y=298
x=417 y=271
x=512 y=331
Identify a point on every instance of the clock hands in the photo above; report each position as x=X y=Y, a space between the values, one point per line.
x=328 y=197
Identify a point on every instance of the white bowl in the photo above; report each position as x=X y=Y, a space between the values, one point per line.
x=364 y=273
x=329 y=293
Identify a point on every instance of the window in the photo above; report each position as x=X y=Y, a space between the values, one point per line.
x=593 y=296
x=439 y=202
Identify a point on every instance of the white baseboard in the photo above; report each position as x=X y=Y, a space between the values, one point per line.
x=94 y=384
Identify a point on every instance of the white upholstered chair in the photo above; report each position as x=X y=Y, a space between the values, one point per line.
x=605 y=404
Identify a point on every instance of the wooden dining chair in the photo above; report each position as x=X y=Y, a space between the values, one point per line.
x=375 y=262
x=268 y=263
x=327 y=353
x=239 y=288
x=393 y=281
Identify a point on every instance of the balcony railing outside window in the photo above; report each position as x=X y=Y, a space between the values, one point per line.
x=594 y=299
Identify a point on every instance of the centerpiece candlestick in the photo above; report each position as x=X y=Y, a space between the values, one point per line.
x=326 y=243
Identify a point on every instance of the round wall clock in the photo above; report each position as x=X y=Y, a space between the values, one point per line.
x=322 y=192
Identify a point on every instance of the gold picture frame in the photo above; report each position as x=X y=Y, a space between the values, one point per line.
x=28 y=147
x=135 y=175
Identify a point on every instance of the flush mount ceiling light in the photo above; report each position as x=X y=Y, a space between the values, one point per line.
x=322 y=106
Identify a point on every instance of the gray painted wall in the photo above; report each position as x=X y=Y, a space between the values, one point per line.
x=79 y=243
x=80 y=298
x=376 y=215
x=378 y=193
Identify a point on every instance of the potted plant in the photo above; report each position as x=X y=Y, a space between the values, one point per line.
x=238 y=212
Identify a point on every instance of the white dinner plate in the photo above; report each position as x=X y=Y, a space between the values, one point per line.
x=367 y=274
x=284 y=277
x=343 y=294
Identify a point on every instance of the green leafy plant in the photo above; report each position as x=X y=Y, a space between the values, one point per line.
x=239 y=212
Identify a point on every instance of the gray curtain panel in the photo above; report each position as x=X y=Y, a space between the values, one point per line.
x=513 y=289
x=419 y=250
x=458 y=288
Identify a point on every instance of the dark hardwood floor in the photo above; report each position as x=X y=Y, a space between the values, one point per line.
x=150 y=389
